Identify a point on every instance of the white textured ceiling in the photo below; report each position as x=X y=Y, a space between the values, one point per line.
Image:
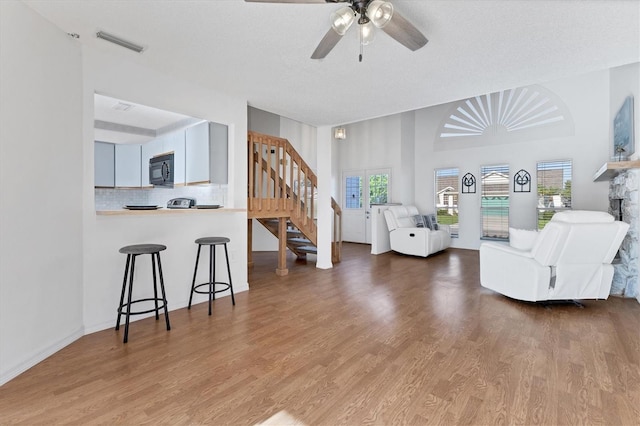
x=117 y=116
x=261 y=51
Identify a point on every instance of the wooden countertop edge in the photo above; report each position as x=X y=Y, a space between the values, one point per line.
x=162 y=211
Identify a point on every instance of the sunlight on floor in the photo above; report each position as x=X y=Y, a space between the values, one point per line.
x=281 y=418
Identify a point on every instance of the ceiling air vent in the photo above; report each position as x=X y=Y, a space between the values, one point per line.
x=120 y=42
x=121 y=106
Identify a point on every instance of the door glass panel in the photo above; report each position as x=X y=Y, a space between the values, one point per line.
x=379 y=188
x=353 y=192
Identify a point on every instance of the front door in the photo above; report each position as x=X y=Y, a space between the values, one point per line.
x=353 y=211
x=361 y=188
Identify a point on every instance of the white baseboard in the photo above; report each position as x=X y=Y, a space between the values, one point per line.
x=111 y=323
x=43 y=354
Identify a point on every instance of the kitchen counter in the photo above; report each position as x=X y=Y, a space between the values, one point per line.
x=107 y=231
x=165 y=211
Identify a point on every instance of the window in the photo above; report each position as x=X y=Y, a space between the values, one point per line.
x=353 y=192
x=554 y=189
x=446 y=198
x=378 y=188
x=494 y=206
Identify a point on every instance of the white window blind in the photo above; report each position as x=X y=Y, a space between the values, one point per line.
x=495 y=202
x=554 y=189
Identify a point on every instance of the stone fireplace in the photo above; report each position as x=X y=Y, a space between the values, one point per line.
x=623 y=201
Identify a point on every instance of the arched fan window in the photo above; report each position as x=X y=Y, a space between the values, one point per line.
x=524 y=113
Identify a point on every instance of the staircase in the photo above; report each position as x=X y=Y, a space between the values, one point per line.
x=282 y=197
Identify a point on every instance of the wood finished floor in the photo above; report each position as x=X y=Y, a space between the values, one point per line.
x=385 y=340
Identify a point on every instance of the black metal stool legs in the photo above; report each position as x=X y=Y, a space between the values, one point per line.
x=129 y=272
x=164 y=296
x=128 y=313
x=212 y=275
x=124 y=288
x=211 y=291
x=226 y=255
x=155 y=284
x=195 y=272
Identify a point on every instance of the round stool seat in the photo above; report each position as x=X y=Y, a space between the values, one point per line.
x=208 y=241
x=142 y=249
x=159 y=300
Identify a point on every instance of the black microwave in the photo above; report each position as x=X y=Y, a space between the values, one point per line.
x=161 y=170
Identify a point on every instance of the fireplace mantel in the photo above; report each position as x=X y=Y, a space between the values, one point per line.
x=609 y=170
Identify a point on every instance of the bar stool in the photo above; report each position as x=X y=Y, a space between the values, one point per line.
x=125 y=308
x=212 y=242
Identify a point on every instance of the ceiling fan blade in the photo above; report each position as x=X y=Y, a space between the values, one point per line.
x=328 y=42
x=296 y=1
x=404 y=32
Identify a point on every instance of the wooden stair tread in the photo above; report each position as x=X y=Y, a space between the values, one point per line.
x=300 y=240
x=307 y=249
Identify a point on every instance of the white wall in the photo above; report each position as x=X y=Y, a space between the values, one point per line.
x=404 y=175
x=120 y=77
x=41 y=198
x=374 y=144
x=303 y=138
x=324 y=212
x=587 y=99
x=264 y=122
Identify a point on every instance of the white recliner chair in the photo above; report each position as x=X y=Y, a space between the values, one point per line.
x=407 y=238
x=569 y=259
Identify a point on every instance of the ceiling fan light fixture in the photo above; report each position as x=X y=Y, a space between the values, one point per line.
x=380 y=12
x=367 y=33
x=342 y=19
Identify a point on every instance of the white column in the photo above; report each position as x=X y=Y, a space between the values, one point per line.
x=325 y=213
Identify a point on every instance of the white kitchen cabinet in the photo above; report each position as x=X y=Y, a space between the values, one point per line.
x=104 y=164
x=128 y=165
x=218 y=161
x=197 y=153
x=206 y=153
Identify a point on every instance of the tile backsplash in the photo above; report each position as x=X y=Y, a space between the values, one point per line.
x=116 y=198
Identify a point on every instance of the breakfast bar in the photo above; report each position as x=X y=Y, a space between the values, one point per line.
x=175 y=228
x=162 y=211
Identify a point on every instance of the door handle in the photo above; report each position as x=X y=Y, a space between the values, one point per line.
x=165 y=171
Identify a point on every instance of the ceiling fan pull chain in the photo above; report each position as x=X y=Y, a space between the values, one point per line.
x=361 y=43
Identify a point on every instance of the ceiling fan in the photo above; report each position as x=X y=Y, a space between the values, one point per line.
x=370 y=14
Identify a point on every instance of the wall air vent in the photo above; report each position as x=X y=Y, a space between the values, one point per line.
x=120 y=42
